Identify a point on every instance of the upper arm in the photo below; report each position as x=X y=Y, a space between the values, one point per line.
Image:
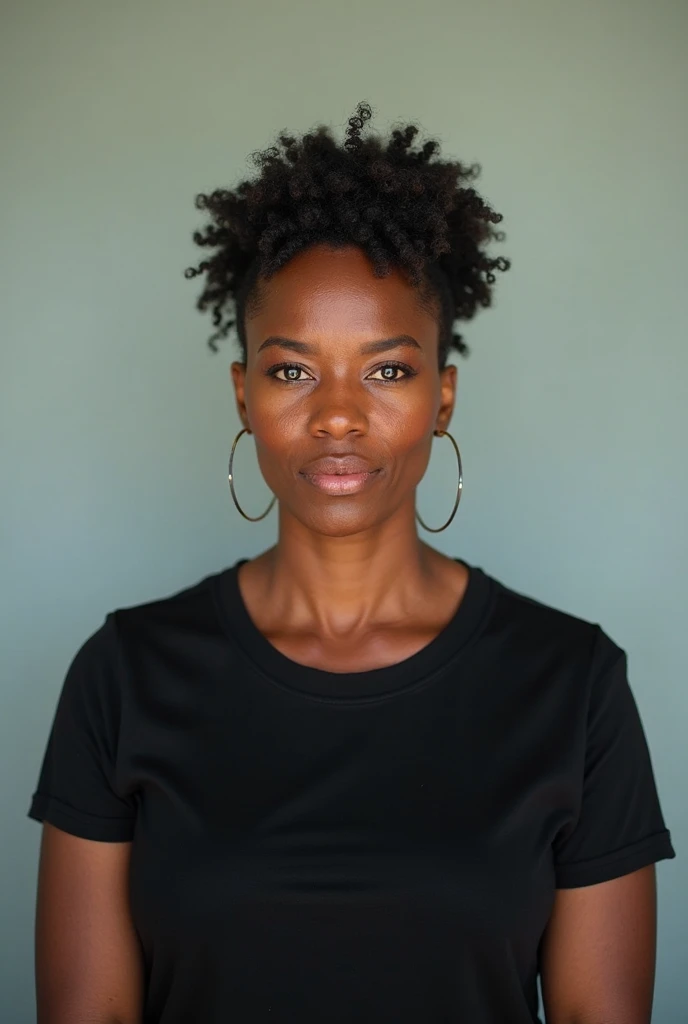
x=597 y=956
x=88 y=958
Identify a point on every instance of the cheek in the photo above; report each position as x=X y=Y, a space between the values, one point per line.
x=280 y=430
x=403 y=424
x=272 y=412
x=407 y=444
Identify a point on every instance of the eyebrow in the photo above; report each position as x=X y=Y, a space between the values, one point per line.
x=370 y=347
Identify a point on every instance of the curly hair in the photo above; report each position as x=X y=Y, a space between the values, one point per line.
x=404 y=207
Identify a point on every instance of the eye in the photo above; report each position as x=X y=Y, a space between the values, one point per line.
x=291 y=373
x=391 y=373
x=392 y=378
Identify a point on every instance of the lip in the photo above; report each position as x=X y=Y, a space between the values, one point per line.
x=343 y=474
x=337 y=465
x=340 y=483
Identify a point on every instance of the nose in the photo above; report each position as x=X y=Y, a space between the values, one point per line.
x=338 y=410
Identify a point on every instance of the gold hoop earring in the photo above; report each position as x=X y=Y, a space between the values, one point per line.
x=438 y=529
x=251 y=519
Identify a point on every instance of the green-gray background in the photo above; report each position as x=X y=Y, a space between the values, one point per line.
x=116 y=420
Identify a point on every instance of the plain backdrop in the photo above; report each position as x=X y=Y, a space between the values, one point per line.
x=116 y=419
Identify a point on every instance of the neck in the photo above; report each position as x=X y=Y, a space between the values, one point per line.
x=335 y=584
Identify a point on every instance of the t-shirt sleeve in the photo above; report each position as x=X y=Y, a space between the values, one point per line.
x=620 y=827
x=78 y=789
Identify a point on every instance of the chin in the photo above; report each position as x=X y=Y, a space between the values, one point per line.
x=342 y=523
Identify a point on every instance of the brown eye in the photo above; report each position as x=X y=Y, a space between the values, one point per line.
x=291 y=373
x=393 y=372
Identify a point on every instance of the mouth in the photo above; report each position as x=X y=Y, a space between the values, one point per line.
x=341 y=483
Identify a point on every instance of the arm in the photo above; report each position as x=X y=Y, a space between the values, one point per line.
x=88 y=958
x=598 y=952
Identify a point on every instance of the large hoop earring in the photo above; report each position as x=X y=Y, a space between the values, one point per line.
x=459 y=489
x=251 y=519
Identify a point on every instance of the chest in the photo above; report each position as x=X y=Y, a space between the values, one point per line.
x=440 y=803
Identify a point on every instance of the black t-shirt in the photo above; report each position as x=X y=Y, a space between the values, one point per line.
x=377 y=846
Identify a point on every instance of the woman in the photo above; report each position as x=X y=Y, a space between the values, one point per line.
x=351 y=779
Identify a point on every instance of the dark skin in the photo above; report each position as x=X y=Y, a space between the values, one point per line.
x=330 y=594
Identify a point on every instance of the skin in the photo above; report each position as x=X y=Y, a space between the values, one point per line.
x=88 y=961
x=329 y=594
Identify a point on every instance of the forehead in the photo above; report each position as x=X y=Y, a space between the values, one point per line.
x=336 y=290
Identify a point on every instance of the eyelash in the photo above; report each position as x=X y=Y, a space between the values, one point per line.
x=408 y=372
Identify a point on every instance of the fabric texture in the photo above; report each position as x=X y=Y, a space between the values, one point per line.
x=378 y=846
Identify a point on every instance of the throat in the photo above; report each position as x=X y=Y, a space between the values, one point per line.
x=354 y=654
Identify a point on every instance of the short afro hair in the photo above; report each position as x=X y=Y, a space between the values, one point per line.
x=402 y=206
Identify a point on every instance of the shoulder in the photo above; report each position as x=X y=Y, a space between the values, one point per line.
x=136 y=644
x=187 y=609
x=530 y=624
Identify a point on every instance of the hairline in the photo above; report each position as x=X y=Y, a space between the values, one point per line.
x=251 y=297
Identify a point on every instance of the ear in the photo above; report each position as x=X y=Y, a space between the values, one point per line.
x=239 y=379
x=447 y=396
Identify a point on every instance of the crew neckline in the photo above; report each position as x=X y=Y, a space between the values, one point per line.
x=370 y=684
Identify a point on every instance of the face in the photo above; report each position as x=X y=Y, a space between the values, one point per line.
x=342 y=390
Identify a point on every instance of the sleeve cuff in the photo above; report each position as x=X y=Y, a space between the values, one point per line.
x=80 y=823
x=613 y=865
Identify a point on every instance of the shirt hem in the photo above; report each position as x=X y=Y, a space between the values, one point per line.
x=613 y=865
x=79 y=823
